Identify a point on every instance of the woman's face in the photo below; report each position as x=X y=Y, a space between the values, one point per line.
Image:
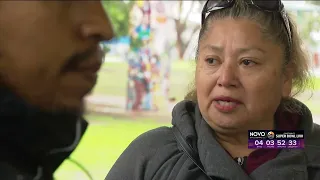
x=239 y=79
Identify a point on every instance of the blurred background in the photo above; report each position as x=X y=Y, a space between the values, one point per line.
x=147 y=70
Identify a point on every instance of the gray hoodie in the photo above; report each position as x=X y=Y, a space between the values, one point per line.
x=156 y=155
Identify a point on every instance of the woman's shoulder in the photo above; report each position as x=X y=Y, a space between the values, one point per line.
x=161 y=135
x=312 y=147
x=143 y=157
x=313 y=137
x=152 y=140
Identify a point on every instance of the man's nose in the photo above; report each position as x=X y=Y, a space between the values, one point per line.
x=99 y=27
x=227 y=76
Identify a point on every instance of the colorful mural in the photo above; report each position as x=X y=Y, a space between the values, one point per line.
x=144 y=77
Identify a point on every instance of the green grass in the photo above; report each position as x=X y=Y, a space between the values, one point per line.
x=101 y=145
x=112 y=79
x=317 y=84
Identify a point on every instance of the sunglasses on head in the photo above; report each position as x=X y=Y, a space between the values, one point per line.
x=265 y=5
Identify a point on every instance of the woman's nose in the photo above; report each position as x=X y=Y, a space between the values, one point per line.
x=227 y=76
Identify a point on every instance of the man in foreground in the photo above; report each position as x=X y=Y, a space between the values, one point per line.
x=49 y=58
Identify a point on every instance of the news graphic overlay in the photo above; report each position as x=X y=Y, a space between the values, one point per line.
x=272 y=139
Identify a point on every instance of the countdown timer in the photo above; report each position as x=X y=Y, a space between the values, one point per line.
x=276 y=144
x=275 y=139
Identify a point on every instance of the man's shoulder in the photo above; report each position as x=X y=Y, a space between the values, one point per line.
x=8 y=172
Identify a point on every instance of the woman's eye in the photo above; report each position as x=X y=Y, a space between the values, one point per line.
x=248 y=62
x=211 y=61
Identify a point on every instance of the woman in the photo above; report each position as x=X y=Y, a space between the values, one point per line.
x=249 y=66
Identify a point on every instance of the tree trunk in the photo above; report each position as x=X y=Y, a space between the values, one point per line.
x=179 y=46
x=181 y=25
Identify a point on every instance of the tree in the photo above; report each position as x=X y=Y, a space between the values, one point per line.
x=119 y=13
x=181 y=27
x=309 y=22
x=315 y=3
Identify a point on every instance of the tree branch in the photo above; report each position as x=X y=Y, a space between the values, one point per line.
x=180 y=9
x=187 y=16
x=188 y=40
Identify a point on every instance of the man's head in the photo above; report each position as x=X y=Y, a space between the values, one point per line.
x=49 y=50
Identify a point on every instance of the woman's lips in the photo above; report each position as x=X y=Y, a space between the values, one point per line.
x=226 y=104
x=225 y=107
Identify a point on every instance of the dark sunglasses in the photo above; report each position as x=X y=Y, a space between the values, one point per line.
x=265 y=5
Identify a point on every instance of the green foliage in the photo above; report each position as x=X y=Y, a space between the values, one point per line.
x=308 y=22
x=135 y=43
x=119 y=13
x=315 y=3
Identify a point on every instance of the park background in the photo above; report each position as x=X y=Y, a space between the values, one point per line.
x=174 y=28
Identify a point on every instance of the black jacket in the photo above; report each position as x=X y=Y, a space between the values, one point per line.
x=34 y=143
x=156 y=155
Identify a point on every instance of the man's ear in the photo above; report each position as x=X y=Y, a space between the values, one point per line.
x=287 y=80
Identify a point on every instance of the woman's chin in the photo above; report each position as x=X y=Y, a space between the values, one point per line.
x=224 y=124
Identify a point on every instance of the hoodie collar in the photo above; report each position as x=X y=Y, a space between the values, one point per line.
x=187 y=118
x=215 y=159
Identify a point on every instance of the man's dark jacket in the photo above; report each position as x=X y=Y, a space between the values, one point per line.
x=33 y=143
